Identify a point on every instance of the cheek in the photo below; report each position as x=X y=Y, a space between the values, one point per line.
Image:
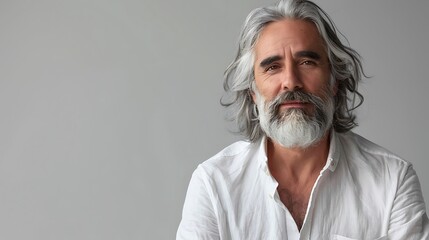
x=268 y=94
x=317 y=84
x=268 y=90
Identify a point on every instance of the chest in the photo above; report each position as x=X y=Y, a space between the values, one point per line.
x=296 y=201
x=257 y=213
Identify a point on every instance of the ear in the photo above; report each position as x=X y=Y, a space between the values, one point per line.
x=253 y=95
x=252 y=89
x=335 y=87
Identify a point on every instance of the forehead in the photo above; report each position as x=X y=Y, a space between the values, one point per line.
x=289 y=35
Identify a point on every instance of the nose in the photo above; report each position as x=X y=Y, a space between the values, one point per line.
x=290 y=78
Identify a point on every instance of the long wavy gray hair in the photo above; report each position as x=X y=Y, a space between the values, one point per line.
x=346 y=67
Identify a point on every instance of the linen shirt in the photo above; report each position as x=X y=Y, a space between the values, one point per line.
x=363 y=192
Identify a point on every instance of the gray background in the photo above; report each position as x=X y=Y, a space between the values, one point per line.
x=108 y=106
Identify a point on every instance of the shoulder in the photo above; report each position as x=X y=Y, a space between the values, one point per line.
x=373 y=167
x=363 y=150
x=231 y=159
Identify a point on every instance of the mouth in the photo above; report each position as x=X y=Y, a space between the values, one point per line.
x=293 y=104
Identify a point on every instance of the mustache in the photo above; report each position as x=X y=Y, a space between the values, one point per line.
x=296 y=95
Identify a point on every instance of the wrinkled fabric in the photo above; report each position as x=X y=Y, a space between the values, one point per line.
x=363 y=192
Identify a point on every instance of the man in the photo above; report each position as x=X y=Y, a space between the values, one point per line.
x=303 y=174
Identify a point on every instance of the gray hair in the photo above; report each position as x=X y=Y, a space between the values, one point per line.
x=346 y=67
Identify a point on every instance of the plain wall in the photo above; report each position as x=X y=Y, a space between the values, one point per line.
x=108 y=106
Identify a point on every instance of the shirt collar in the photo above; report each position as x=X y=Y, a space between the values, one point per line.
x=334 y=152
x=331 y=162
x=262 y=154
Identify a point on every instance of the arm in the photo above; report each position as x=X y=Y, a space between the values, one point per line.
x=198 y=217
x=408 y=218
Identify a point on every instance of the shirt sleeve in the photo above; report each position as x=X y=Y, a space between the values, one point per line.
x=198 y=217
x=408 y=217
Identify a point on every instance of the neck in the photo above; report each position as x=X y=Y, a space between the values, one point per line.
x=297 y=164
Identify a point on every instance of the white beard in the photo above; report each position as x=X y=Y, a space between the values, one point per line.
x=296 y=128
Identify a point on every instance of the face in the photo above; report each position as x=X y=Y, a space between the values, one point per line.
x=290 y=55
x=292 y=76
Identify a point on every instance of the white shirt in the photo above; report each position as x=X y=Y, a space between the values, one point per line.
x=363 y=192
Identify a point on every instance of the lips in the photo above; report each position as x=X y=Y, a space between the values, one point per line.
x=294 y=104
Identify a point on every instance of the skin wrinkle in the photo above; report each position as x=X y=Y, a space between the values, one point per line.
x=270 y=60
x=301 y=54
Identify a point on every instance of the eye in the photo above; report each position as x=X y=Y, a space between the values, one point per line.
x=272 y=68
x=308 y=62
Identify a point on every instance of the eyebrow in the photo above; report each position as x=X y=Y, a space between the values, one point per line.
x=309 y=54
x=269 y=60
